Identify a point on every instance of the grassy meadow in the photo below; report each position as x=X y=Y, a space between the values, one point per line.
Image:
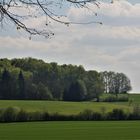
x=68 y=107
x=104 y=130
x=135 y=98
x=60 y=107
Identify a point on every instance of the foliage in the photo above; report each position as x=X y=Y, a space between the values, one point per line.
x=21 y=86
x=117 y=114
x=22 y=116
x=112 y=98
x=17 y=115
x=115 y=83
x=76 y=92
x=88 y=115
x=30 y=78
x=136 y=109
x=9 y=114
x=94 y=85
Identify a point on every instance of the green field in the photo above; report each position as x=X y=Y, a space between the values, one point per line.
x=70 y=130
x=121 y=130
x=135 y=98
x=67 y=107
x=60 y=107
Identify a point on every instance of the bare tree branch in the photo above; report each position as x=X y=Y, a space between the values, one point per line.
x=41 y=7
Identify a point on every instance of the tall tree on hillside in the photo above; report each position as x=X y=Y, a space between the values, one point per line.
x=115 y=83
x=105 y=79
x=6 y=85
x=21 y=86
x=76 y=92
x=124 y=84
x=94 y=85
x=43 y=92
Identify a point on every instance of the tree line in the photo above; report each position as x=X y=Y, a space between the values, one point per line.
x=30 y=78
x=15 y=114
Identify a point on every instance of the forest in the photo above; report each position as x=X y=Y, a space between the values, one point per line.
x=34 y=79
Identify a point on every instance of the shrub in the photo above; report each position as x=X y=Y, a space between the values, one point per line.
x=86 y=115
x=9 y=114
x=136 y=109
x=135 y=115
x=117 y=114
x=123 y=97
x=97 y=116
x=35 y=116
x=112 y=98
x=46 y=116
x=22 y=116
x=15 y=114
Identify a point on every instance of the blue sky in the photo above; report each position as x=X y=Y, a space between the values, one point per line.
x=134 y=1
x=115 y=45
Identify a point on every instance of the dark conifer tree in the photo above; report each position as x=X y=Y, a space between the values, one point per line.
x=76 y=91
x=6 y=89
x=21 y=86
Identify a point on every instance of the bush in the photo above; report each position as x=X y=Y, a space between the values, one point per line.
x=136 y=109
x=112 y=98
x=18 y=115
x=136 y=113
x=123 y=97
x=35 y=116
x=22 y=116
x=117 y=114
x=1 y=114
x=46 y=116
x=9 y=114
x=88 y=115
x=97 y=116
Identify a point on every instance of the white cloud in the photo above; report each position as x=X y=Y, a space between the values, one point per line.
x=113 y=46
x=120 y=8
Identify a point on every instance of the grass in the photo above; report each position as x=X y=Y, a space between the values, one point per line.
x=135 y=98
x=121 y=130
x=59 y=106
x=68 y=107
x=86 y=130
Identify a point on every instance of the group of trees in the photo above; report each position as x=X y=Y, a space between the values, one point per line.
x=11 y=88
x=30 y=78
x=115 y=83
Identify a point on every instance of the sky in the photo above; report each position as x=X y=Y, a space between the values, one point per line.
x=113 y=46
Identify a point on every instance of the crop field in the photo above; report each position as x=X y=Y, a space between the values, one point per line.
x=104 y=130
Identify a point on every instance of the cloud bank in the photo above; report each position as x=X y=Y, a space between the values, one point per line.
x=115 y=45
